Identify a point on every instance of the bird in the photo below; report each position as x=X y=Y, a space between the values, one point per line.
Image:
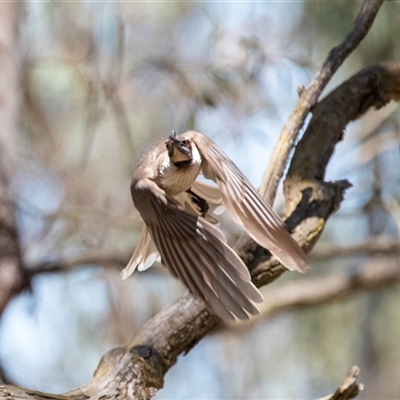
x=180 y=227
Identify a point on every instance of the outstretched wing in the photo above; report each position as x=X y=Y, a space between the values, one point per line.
x=246 y=206
x=195 y=251
x=146 y=252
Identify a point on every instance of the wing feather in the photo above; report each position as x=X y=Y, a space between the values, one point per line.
x=246 y=206
x=205 y=286
x=195 y=251
x=193 y=268
x=144 y=255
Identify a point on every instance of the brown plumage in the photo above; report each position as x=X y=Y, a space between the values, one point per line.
x=179 y=226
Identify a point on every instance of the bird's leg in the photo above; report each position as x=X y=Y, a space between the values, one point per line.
x=202 y=204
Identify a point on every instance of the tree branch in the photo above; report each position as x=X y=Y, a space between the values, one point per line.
x=67 y=264
x=309 y=96
x=349 y=388
x=304 y=187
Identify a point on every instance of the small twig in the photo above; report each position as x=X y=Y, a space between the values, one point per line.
x=349 y=388
x=81 y=261
x=48 y=267
x=309 y=96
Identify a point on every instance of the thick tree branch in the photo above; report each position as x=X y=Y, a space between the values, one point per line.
x=309 y=96
x=304 y=188
x=309 y=199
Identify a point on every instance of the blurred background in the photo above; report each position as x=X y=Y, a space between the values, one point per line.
x=94 y=84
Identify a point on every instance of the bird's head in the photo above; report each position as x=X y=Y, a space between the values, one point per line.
x=179 y=148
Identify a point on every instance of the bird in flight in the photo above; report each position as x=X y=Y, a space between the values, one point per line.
x=177 y=210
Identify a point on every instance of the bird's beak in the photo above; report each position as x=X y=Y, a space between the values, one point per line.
x=178 y=149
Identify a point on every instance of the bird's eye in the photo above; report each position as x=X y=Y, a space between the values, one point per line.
x=186 y=143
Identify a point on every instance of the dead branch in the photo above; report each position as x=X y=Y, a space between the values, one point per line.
x=309 y=199
x=349 y=388
x=304 y=187
x=309 y=96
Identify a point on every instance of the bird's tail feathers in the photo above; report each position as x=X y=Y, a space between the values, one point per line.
x=144 y=255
